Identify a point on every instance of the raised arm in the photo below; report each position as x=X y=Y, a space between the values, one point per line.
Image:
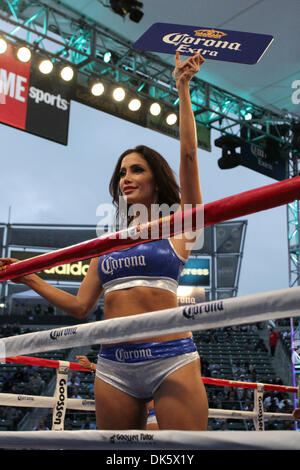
x=189 y=172
x=78 y=306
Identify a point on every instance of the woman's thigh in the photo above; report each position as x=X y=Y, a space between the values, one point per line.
x=181 y=401
x=116 y=409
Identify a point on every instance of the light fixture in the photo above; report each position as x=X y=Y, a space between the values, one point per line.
x=155 y=109
x=67 y=73
x=246 y=114
x=107 y=57
x=24 y=54
x=134 y=104
x=97 y=89
x=119 y=94
x=230 y=158
x=46 y=66
x=3 y=46
x=171 y=119
x=130 y=7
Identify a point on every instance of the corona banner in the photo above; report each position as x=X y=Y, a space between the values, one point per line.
x=31 y=101
x=211 y=43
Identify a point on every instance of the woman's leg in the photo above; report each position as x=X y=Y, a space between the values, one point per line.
x=181 y=401
x=116 y=409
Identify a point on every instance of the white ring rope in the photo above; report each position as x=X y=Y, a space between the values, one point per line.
x=32 y=401
x=150 y=441
x=278 y=304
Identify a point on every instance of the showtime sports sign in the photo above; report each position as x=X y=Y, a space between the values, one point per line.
x=36 y=103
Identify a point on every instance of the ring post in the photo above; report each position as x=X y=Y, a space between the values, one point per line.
x=61 y=391
x=259 y=408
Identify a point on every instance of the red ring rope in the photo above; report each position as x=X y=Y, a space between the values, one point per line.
x=34 y=361
x=245 y=203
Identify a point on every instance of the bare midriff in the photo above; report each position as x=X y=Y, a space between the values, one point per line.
x=137 y=300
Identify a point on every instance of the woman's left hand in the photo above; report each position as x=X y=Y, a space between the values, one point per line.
x=184 y=71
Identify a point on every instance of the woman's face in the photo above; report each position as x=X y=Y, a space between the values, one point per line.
x=137 y=183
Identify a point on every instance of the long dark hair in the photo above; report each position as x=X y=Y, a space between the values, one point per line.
x=165 y=180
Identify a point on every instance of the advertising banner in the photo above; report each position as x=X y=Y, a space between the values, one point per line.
x=256 y=157
x=211 y=43
x=36 y=103
x=187 y=295
x=196 y=273
x=73 y=272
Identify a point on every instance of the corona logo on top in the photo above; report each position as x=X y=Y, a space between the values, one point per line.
x=210 y=33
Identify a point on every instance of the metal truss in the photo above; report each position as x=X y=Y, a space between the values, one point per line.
x=56 y=31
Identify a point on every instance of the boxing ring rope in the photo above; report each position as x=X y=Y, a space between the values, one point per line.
x=216 y=314
x=248 y=202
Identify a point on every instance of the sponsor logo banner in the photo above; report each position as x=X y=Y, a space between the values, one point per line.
x=257 y=158
x=14 y=87
x=36 y=103
x=74 y=272
x=196 y=272
x=190 y=295
x=211 y=43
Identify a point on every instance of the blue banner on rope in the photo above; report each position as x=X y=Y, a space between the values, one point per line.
x=211 y=43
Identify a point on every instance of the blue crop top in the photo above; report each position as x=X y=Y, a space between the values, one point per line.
x=150 y=264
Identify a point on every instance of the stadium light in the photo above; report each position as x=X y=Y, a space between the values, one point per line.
x=119 y=94
x=3 y=46
x=67 y=73
x=46 y=66
x=24 y=54
x=155 y=109
x=97 y=88
x=171 y=119
x=134 y=104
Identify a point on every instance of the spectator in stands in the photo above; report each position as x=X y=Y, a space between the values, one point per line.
x=37 y=309
x=13 y=417
x=88 y=424
x=248 y=405
x=271 y=404
x=285 y=406
x=36 y=384
x=76 y=394
x=73 y=384
x=74 y=380
x=273 y=339
x=213 y=367
x=204 y=367
x=42 y=426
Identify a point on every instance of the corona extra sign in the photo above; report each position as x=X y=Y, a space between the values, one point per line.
x=231 y=46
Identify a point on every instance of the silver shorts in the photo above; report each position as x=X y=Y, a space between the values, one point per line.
x=141 y=379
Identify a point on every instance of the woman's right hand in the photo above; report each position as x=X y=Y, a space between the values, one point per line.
x=18 y=280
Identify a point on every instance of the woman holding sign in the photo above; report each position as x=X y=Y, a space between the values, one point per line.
x=140 y=279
